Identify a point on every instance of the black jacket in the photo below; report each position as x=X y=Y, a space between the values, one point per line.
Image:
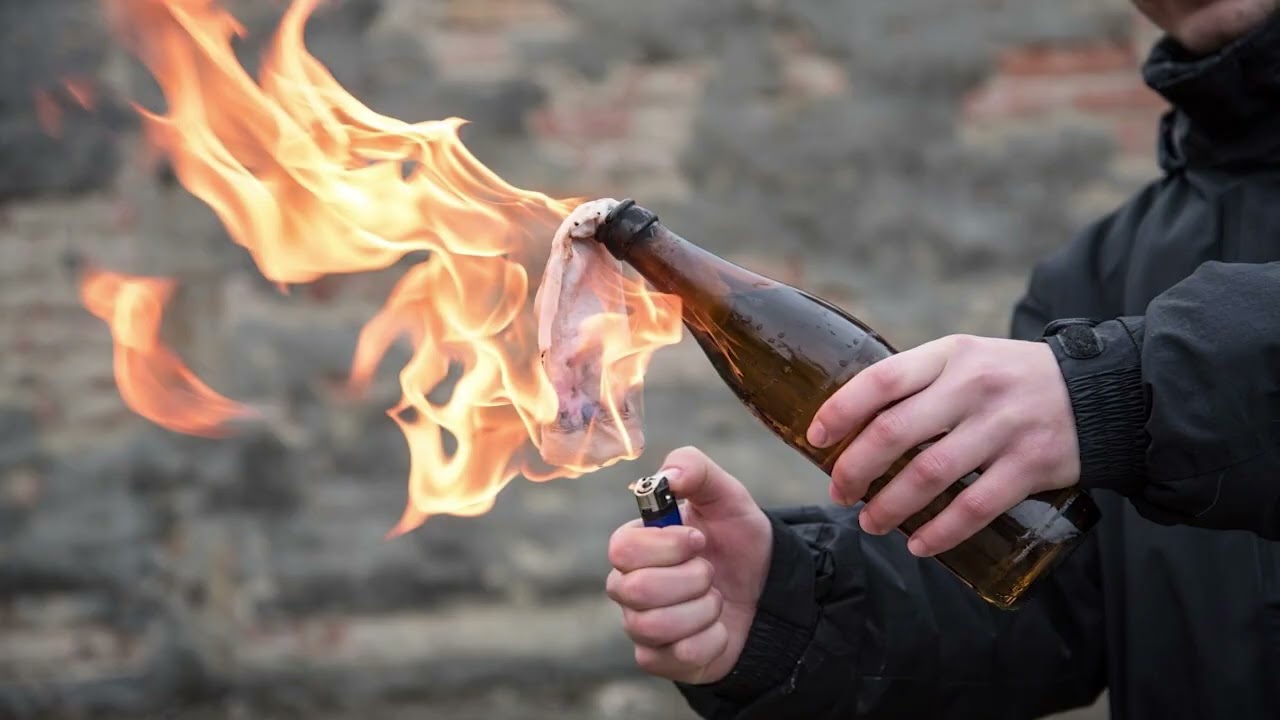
x=1174 y=602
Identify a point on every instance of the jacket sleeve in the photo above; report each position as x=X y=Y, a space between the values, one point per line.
x=1179 y=409
x=852 y=625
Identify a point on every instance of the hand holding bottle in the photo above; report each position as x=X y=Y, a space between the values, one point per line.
x=1004 y=408
x=688 y=593
x=784 y=352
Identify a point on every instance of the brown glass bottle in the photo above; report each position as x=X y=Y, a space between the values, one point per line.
x=783 y=352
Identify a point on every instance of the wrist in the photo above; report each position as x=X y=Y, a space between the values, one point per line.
x=1101 y=365
x=781 y=625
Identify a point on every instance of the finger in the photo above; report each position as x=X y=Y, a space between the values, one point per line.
x=656 y=587
x=885 y=382
x=666 y=625
x=706 y=486
x=892 y=434
x=686 y=660
x=969 y=447
x=632 y=548
x=997 y=490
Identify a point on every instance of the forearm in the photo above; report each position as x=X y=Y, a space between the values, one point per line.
x=853 y=626
x=1179 y=410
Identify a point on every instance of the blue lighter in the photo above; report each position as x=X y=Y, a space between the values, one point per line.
x=658 y=506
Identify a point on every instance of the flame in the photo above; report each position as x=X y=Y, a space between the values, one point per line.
x=153 y=381
x=312 y=182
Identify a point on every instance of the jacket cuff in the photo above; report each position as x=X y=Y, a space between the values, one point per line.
x=783 y=626
x=1101 y=363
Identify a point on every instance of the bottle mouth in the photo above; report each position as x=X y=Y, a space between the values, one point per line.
x=623 y=225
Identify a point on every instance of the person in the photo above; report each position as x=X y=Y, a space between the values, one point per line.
x=1145 y=369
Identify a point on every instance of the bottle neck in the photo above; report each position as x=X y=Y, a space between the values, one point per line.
x=671 y=264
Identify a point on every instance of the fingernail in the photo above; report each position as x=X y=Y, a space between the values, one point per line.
x=917 y=547
x=698 y=539
x=817 y=434
x=671 y=473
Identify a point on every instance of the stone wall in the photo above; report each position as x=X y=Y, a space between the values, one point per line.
x=907 y=159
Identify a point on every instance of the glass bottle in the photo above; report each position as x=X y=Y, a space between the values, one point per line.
x=783 y=352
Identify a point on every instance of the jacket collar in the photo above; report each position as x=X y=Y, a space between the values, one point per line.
x=1226 y=106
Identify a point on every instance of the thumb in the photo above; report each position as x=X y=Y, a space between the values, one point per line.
x=705 y=485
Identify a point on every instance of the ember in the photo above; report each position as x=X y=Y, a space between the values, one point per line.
x=312 y=182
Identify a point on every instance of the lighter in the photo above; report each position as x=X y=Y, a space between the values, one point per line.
x=658 y=506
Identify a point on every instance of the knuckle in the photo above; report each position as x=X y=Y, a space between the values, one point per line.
x=643 y=626
x=717 y=603
x=648 y=660
x=707 y=573
x=888 y=428
x=987 y=378
x=974 y=505
x=618 y=556
x=934 y=468
x=688 y=652
x=1037 y=448
x=1033 y=462
x=619 y=551
x=684 y=451
x=629 y=590
x=1006 y=419
x=844 y=476
x=886 y=378
x=963 y=343
x=612 y=586
x=848 y=475
x=838 y=408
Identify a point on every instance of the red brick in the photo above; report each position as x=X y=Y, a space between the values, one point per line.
x=1136 y=96
x=1006 y=98
x=1056 y=60
x=1104 y=93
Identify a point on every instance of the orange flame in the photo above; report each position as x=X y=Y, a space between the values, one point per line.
x=153 y=382
x=312 y=182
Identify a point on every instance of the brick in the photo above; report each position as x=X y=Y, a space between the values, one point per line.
x=470 y=55
x=663 y=128
x=582 y=124
x=1118 y=97
x=1037 y=61
x=77 y=652
x=499 y=13
x=813 y=75
x=668 y=83
x=1024 y=97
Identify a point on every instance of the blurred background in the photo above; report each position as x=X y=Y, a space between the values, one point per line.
x=907 y=159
